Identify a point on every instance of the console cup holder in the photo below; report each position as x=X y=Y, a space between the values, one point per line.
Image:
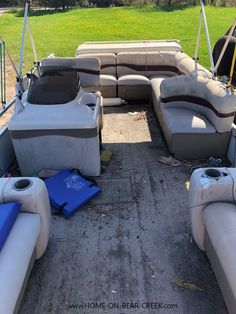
x=213 y=173
x=22 y=184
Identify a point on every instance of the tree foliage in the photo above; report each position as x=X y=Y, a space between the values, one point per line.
x=64 y=4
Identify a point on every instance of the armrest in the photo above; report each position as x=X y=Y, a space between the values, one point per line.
x=33 y=195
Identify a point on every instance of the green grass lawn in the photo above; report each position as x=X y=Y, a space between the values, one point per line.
x=62 y=32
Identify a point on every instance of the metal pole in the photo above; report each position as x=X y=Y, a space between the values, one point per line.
x=1 y=77
x=32 y=43
x=198 y=41
x=23 y=38
x=208 y=38
x=232 y=67
x=4 y=74
x=225 y=46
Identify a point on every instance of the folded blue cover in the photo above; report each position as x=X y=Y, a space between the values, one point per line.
x=68 y=191
x=8 y=214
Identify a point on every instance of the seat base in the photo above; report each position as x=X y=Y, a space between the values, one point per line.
x=198 y=146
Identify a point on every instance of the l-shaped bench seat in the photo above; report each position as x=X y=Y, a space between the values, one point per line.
x=195 y=112
x=130 y=74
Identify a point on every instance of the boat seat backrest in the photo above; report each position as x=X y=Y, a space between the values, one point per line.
x=156 y=63
x=132 y=63
x=205 y=96
x=107 y=61
x=88 y=69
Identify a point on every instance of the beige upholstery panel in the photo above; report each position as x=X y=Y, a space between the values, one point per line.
x=156 y=94
x=107 y=61
x=220 y=223
x=134 y=87
x=187 y=65
x=88 y=69
x=108 y=86
x=186 y=121
x=129 y=63
x=162 y=63
x=191 y=136
x=202 y=95
x=133 y=80
x=198 y=146
x=128 y=46
x=108 y=80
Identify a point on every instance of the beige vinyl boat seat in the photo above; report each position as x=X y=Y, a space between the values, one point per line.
x=27 y=240
x=213 y=217
x=196 y=116
x=128 y=46
x=108 y=76
x=131 y=74
x=88 y=70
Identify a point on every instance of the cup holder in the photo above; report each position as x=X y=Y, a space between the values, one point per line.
x=213 y=173
x=22 y=184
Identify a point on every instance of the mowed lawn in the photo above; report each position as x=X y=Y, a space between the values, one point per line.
x=62 y=32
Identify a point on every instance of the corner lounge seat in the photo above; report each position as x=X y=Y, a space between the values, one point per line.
x=213 y=218
x=196 y=115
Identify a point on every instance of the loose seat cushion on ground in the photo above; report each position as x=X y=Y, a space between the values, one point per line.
x=193 y=96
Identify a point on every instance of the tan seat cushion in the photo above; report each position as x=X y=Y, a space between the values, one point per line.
x=179 y=120
x=220 y=223
x=133 y=80
x=107 y=61
x=88 y=69
x=108 y=80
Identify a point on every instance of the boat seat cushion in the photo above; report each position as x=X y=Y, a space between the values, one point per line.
x=181 y=121
x=108 y=80
x=220 y=238
x=108 y=85
x=8 y=214
x=156 y=95
x=131 y=63
x=134 y=87
x=15 y=257
x=133 y=80
x=190 y=135
x=135 y=45
x=205 y=96
x=88 y=69
x=54 y=87
x=107 y=61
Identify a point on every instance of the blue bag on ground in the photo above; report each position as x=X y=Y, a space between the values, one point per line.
x=68 y=191
x=8 y=214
